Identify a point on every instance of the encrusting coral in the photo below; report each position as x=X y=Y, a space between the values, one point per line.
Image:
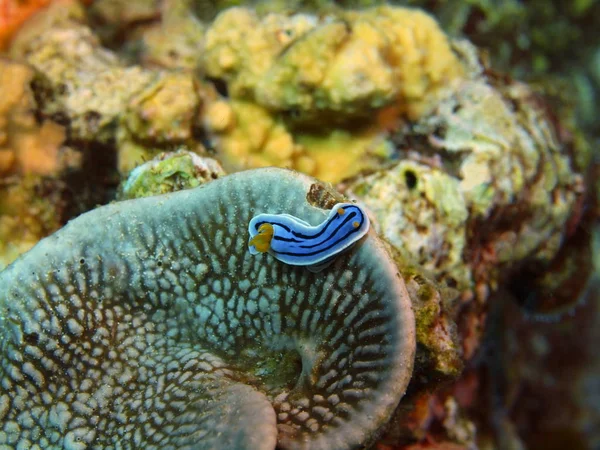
x=146 y=112
x=32 y=153
x=169 y=172
x=285 y=74
x=422 y=213
x=331 y=68
x=487 y=182
x=516 y=175
x=298 y=74
x=147 y=323
x=248 y=135
x=26 y=146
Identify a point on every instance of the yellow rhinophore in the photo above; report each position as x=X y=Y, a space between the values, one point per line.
x=262 y=241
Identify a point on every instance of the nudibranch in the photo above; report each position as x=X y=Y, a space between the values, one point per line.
x=296 y=242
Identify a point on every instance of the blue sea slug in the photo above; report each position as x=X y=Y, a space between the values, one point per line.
x=296 y=242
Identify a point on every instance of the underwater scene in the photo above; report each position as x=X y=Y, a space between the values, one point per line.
x=307 y=225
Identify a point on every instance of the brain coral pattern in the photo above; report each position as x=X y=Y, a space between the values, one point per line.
x=148 y=324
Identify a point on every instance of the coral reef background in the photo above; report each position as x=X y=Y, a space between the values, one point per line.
x=468 y=128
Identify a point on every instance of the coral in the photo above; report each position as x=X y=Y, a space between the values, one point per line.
x=487 y=185
x=30 y=208
x=62 y=54
x=164 y=111
x=247 y=135
x=26 y=146
x=113 y=18
x=160 y=116
x=477 y=185
x=169 y=172
x=439 y=356
x=13 y=13
x=504 y=139
x=422 y=213
x=331 y=68
x=516 y=175
x=156 y=303
x=300 y=97
x=339 y=154
x=153 y=111
x=31 y=157
x=146 y=111
x=173 y=42
x=239 y=48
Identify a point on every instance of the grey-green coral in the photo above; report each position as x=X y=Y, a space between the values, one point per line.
x=147 y=324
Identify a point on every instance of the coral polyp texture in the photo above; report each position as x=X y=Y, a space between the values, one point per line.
x=148 y=324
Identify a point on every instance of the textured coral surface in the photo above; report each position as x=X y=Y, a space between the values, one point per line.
x=156 y=303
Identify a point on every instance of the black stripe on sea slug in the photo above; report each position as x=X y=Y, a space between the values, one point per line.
x=335 y=232
x=304 y=236
x=308 y=238
x=354 y=230
x=320 y=233
x=329 y=222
